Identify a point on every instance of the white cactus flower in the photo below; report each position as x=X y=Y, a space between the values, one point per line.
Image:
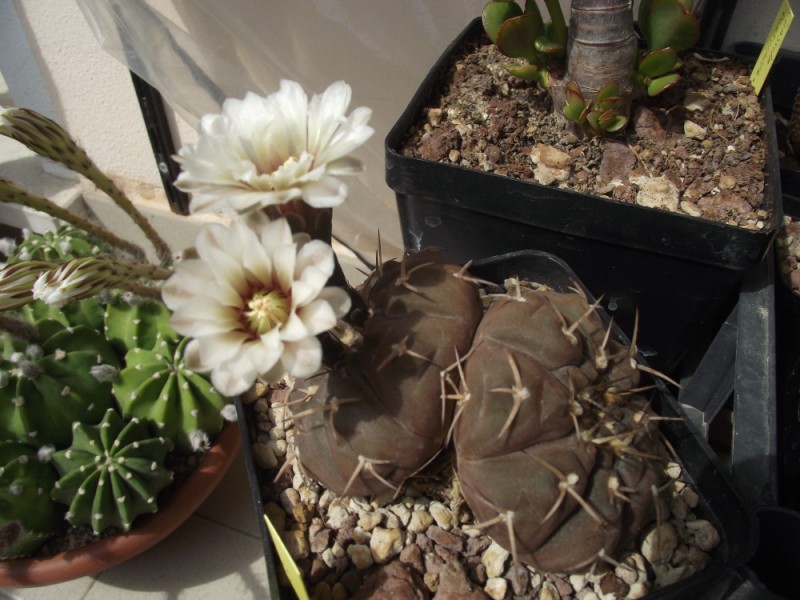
x=254 y=301
x=262 y=151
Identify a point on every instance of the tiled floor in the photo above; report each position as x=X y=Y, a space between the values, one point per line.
x=216 y=554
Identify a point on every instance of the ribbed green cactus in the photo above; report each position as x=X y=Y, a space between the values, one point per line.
x=556 y=453
x=28 y=515
x=53 y=383
x=65 y=243
x=380 y=416
x=156 y=385
x=139 y=324
x=112 y=473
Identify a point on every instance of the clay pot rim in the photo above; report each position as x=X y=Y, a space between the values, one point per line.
x=148 y=531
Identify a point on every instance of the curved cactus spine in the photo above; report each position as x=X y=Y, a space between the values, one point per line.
x=156 y=385
x=52 y=385
x=553 y=408
x=379 y=417
x=112 y=473
x=28 y=516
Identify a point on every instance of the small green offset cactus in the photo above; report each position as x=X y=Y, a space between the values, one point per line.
x=28 y=515
x=61 y=245
x=381 y=416
x=557 y=454
x=112 y=473
x=183 y=405
x=54 y=384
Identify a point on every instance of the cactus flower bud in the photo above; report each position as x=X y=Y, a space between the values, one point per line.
x=16 y=283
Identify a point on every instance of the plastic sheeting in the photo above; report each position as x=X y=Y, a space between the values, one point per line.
x=199 y=52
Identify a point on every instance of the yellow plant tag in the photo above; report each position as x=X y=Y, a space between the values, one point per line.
x=291 y=568
x=771 y=47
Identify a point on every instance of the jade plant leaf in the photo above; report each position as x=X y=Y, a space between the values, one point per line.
x=668 y=23
x=658 y=62
x=658 y=85
x=517 y=37
x=496 y=13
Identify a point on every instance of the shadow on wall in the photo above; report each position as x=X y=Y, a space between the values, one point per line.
x=382 y=51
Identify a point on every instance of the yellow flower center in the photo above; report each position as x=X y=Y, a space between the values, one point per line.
x=266 y=310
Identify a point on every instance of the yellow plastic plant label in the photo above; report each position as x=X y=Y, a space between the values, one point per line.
x=771 y=47
x=291 y=568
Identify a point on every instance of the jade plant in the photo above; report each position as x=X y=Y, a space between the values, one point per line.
x=595 y=68
x=94 y=393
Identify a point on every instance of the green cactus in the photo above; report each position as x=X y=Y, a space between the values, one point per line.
x=28 y=515
x=61 y=245
x=379 y=416
x=112 y=473
x=53 y=383
x=139 y=324
x=156 y=385
x=556 y=452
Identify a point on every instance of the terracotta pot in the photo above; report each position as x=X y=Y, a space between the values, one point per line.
x=147 y=532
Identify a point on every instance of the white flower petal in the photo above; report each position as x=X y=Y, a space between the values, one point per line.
x=303 y=358
x=261 y=151
x=318 y=316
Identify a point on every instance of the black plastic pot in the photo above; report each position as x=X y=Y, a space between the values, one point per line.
x=720 y=501
x=680 y=273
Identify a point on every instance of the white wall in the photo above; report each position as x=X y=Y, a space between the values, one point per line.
x=52 y=62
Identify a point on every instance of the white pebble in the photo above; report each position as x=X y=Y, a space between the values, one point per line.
x=494 y=559
x=360 y=556
x=385 y=544
x=442 y=515
x=496 y=588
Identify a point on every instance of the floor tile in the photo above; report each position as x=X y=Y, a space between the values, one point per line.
x=230 y=504
x=70 y=590
x=201 y=560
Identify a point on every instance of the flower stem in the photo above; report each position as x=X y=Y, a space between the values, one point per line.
x=47 y=138
x=14 y=195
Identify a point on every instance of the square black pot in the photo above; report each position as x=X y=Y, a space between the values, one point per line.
x=719 y=500
x=680 y=273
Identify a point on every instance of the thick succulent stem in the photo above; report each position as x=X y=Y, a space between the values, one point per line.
x=601 y=47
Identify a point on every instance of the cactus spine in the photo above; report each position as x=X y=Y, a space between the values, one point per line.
x=112 y=473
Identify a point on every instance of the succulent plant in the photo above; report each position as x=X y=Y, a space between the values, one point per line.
x=604 y=69
x=65 y=243
x=112 y=472
x=557 y=454
x=28 y=515
x=51 y=385
x=380 y=415
x=602 y=115
x=137 y=323
x=156 y=385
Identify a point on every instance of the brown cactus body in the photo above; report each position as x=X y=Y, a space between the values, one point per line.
x=555 y=456
x=379 y=417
